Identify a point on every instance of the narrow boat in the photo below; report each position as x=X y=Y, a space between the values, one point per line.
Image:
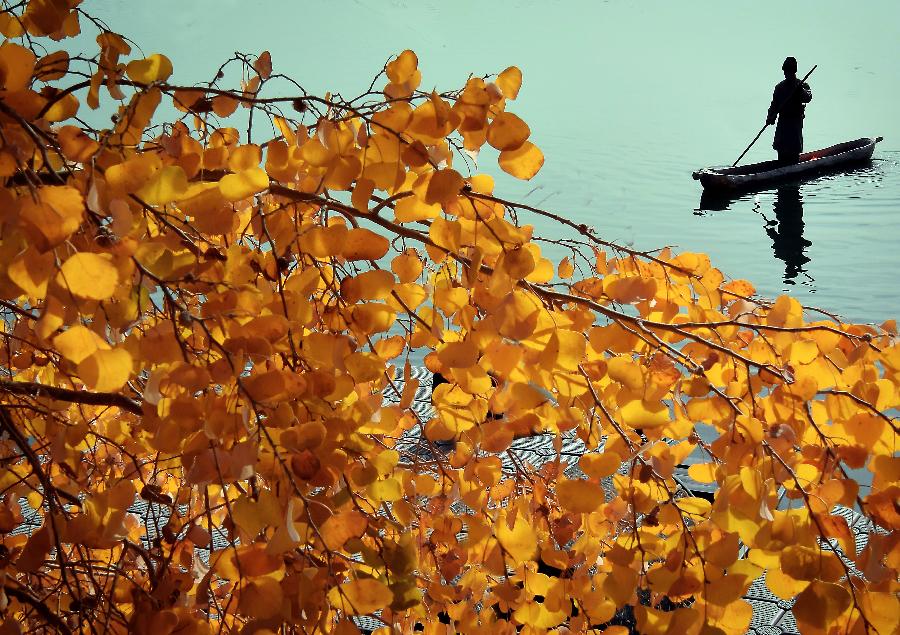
x=835 y=157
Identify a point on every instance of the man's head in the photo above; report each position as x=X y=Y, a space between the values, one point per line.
x=790 y=66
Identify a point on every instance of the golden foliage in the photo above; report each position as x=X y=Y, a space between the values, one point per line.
x=207 y=319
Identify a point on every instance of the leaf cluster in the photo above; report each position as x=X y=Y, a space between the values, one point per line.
x=205 y=303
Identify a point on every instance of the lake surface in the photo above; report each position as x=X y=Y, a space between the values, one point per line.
x=626 y=100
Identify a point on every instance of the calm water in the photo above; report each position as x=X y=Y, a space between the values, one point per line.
x=625 y=99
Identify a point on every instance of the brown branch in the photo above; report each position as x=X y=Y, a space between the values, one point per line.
x=862 y=402
x=31 y=389
x=45 y=611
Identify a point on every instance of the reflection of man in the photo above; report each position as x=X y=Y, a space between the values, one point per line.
x=786 y=231
x=788 y=103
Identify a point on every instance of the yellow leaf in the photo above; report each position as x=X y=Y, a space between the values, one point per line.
x=881 y=609
x=566 y=268
x=63 y=109
x=803 y=352
x=54 y=216
x=693 y=506
x=519 y=541
x=16 y=66
x=131 y=175
x=644 y=414
x=166 y=185
x=360 y=597
x=412 y=208
x=507 y=132
x=579 y=496
x=364 y=244
x=443 y=186
x=369 y=285
x=261 y=598
x=458 y=354
x=373 y=317
x=388 y=490
x=31 y=272
x=323 y=242
x=402 y=68
x=510 y=81
x=703 y=472
x=517 y=263
x=819 y=605
x=338 y=529
x=156 y=68
x=523 y=162
x=89 y=275
x=783 y=585
x=76 y=145
x=224 y=105
x=263 y=65
x=626 y=372
x=407 y=266
x=235 y=187
x=106 y=370
x=362 y=193
x=53 y=66
x=740 y=287
x=245 y=157
x=78 y=343
x=600 y=465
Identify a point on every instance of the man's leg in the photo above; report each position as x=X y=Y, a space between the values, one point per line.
x=788 y=158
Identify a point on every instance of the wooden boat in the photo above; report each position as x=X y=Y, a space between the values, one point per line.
x=835 y=157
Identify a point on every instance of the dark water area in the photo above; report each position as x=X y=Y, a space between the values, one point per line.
x=625 y=100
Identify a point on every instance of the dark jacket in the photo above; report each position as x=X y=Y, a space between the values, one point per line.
x=788 y=105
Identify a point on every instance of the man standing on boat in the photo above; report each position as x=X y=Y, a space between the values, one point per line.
x=788 y=103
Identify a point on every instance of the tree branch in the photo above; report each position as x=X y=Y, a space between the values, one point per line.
x=31 y=389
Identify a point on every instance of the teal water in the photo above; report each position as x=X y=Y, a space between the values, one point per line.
x=625 y=99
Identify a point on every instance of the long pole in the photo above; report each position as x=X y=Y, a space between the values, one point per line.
x=759 y=134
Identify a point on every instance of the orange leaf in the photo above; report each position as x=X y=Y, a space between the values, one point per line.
x=579 y=496
x=519 y=541
x=89 y=275
x=523 y=162
x=360 y=597
x=338 y=529
x=819 y=605
x=600 y=465
x=54 y=216
x=156 y=68
x=106 y=370
x=510 y=81
x=364 y=244
x=507 y=132
x=235 y=187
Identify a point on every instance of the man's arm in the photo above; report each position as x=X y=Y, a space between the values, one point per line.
x=773 y=108
x=805 y=93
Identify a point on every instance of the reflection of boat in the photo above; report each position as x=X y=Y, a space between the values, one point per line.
x=755 y=175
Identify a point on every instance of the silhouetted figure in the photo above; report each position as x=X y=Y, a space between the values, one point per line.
x=788 y=103
x=786 y=231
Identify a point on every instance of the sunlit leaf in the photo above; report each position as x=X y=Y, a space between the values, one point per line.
x=89 y=275
x=235 y=187
x=579 y=496
x=510 y=81
x=508 y=132
x=360 y=597
x=53 y=215
x=106 y=370
x=155 y=68
x=523 y=162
